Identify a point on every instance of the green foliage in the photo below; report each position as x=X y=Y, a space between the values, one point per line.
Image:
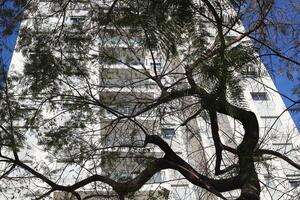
x=58 y=60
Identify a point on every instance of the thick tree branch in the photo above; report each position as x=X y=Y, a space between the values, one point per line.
x=279 y=155
x=216 y=138
x=177 y=163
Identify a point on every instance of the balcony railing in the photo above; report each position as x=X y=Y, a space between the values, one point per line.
x=147 y=84
x=126 y=110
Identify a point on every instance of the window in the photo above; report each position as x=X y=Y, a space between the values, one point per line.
x=77 y=20
x=157 y=64
x=282 y=143
x=272 y=126
x=113 y=55
x=259 y=96
x=80 y=1
x=250 y=71
x=268 y=180
x=157 y=178
x=294 y=180
x=294 y=183
x=284 y=146
x=168 y=133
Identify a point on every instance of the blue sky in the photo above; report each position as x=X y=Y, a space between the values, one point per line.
x=285 y=86
x=8 y=33
x=281 y=37
x=281 y=32
x=283 y=29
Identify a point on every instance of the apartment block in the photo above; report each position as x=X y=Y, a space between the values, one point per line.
x=117 y=73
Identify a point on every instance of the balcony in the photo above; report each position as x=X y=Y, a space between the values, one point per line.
x=121 y=55
x=117 y=83
x=126 y=103
x=122 y=38
x=125 y=77
x=123 y=166
x=125 y=135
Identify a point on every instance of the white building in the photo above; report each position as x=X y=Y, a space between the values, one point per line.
x=120 y=84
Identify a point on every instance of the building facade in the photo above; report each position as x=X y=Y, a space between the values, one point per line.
x=92 y=82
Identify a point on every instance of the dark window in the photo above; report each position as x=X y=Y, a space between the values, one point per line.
x=77 y=20
x=250 y=71
x=157 y=64
x=268 y=180
x=294 y=180
x=295 y=183
x=259 y=96
x=168 y=133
